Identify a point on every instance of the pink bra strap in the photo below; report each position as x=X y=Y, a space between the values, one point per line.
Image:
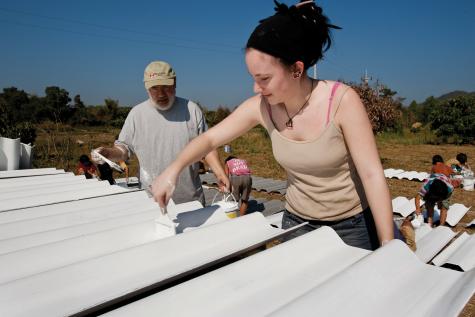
x=335 y=87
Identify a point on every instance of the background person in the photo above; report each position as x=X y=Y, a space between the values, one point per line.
x=239 y=175
x=459 y=163
x=437 y=189
x=319 y=129
x=86 y=167
x=439 y=167
x=158 y=129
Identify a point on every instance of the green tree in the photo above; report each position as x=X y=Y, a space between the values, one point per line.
x=79 y=114
x=16 y=116
x=15 y=105
x=454 y=120
x=56 y=104
x=425 y=109
x=112 y=107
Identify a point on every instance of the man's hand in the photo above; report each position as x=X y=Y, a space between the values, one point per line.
x=115 y=154
x=97 y=159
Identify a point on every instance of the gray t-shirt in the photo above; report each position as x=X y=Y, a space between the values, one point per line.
x=157 y=137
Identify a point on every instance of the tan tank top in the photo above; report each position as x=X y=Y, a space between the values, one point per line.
x=322 y=180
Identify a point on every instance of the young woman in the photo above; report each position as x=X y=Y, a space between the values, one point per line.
x=319 y=129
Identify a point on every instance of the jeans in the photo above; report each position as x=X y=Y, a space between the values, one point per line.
x=357 y=231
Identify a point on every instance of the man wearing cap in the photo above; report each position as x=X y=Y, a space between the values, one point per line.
x=157 y=129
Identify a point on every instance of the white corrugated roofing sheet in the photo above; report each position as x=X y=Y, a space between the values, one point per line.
x=460 y=254
x=391 y=172
x=82 y=285
x=432 y=241
x=316 y=274
x=405 y=206
x=30 y=172
x=77 y=247
x=412 y=175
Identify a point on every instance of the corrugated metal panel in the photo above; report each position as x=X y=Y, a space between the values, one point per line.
x=257 y=285
x=76 y=287
x=103 y=204
x=30 y=172
x=37 y=180
x=460 y=254
x=455 y=213
x=404 y=206
x=432 y=241
x=197 y=218
x=39 y=196
x=258 y=183
x=57 y=254
x=391 y=172
x=401 y=174
x=316 y=274
x=389 y=282
x=25 y=228
x=276 y=219
x=78 y=256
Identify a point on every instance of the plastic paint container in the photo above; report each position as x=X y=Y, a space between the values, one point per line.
x=228 y=204
x=468 y=183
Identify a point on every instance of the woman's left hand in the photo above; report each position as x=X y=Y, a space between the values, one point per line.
x=224 y=184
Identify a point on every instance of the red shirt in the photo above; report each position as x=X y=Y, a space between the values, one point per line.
x=441 y=168
x=91 y=169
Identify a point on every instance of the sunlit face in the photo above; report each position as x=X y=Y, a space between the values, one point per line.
x=271 y=79
x=162 y=96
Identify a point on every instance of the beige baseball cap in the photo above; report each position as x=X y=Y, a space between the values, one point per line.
x=158 y=73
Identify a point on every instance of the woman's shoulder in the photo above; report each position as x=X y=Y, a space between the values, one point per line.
x=251 y=109
x=330 y=84
x=252 y=103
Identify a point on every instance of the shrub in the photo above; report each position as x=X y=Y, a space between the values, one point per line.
x=382 y=109
x=453 y=120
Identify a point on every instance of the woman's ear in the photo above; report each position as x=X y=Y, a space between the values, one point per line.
x=297 y=69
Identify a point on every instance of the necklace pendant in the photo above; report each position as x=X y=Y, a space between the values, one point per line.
x=289 y=124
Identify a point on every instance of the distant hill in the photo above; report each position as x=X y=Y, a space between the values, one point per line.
x=456 y=93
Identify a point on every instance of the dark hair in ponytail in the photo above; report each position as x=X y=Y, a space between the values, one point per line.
x=297 y=33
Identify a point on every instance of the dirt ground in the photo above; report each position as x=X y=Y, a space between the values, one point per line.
x=419 y=158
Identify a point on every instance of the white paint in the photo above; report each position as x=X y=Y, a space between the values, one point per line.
x=30 y=172
x=432 y=242
x=389 y=282
x=73 y=288
x=57 y=254
x=460 y=253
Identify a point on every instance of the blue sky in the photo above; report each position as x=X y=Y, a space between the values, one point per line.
x=98 y=49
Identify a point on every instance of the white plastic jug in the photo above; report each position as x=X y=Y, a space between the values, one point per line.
x=229 y=207
x=468 y=183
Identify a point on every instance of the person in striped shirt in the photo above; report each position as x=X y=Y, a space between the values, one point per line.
x=437 y=189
